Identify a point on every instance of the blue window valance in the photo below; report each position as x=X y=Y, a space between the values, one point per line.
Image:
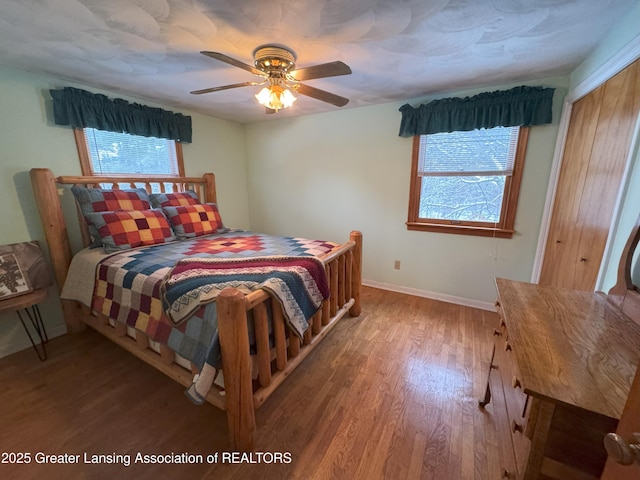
x=79 y=109
x=520 y=106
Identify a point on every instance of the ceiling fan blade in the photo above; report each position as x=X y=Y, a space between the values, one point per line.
x=232 y=61
x=331 y=69
x=331 y=98
x=268 y=110
x=225 y=87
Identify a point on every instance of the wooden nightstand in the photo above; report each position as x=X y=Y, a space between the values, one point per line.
x=29 y=303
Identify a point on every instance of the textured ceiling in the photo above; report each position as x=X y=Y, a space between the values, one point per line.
x=397 y=50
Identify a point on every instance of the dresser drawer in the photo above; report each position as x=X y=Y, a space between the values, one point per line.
x=520 y=427
x=513 y=389
x=516 y=402
x=504 y=360
x=508 y=468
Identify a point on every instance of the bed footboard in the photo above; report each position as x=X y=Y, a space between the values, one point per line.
x=344 y=272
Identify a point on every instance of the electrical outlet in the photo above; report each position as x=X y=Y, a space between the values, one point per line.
x=396 y=264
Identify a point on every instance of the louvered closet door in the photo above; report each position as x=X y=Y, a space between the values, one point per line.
x=598 y=140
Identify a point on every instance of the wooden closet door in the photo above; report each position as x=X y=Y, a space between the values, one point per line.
x=598 y=140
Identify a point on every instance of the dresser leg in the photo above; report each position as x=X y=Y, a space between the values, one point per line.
x=487 y=391
x=487 y=397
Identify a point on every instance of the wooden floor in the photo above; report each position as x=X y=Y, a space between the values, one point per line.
x=389 y=395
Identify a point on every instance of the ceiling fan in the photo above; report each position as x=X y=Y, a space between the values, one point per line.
x=275 y=65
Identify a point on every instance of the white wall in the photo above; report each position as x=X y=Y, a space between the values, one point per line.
x=28 y=138
x=621 y=35
x=323 y=175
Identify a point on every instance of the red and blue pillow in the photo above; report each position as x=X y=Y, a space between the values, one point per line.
x=105 y=200
x=121 y=219
x=93 y=200
x=176 y=199
x=125 y=229
x=191 y=221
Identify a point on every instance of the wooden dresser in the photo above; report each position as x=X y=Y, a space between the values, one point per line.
x=562 y=366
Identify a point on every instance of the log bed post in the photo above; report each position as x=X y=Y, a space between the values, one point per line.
x=356 y=274
x=210 y=194
x=236 y=364
x=55 y=230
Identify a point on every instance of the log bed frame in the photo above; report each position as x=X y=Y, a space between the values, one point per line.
x=242 y=394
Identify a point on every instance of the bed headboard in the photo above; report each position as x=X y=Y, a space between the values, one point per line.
x=48 y=191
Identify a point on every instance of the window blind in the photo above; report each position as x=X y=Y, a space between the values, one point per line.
x=477 y=152
x=114 y=153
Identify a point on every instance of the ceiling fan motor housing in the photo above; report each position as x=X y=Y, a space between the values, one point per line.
x=274 y=59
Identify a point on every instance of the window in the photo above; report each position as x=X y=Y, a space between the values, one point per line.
x=467 y=182
x=104 y=153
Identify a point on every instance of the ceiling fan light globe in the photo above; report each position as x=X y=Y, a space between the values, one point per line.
x=287 y=98
x=275 y=97
x=263 y=96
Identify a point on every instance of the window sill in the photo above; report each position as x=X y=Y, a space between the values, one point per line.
x=461 y=229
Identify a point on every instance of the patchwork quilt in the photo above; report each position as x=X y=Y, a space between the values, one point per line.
x=129 y=285
x=298 y=283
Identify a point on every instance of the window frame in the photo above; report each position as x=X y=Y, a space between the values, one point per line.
x=87 y=170
x=504 y=228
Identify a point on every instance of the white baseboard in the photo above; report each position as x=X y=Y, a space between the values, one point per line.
x=15 y=343
x=467 y=302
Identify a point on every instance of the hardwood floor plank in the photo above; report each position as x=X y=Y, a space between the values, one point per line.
x=391 y=394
